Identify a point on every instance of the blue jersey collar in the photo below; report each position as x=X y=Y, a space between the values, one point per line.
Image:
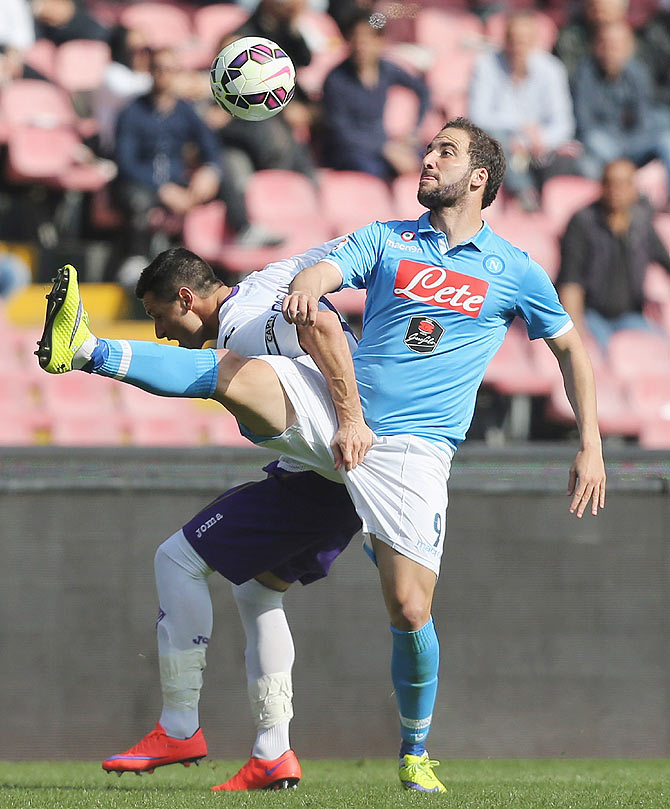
x=478 y=241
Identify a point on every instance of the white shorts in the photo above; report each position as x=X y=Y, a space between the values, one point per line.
x=400 y=488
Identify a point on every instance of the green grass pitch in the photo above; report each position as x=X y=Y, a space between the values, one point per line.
x=365 y=783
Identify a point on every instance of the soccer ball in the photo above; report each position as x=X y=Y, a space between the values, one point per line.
x=252 y=78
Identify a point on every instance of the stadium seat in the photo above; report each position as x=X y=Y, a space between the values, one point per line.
x=34 y=153
x=403 y=190
x=447 y=30
x=30 y=102
x=547 y=30
x=213 y=23
x=651 y=181
x=163 y=25
x=78 y=394
x=650 y=395
x=328 y=50
x=400 y=112
x=532 y=233
x=80 y=64
x=276 y=197
x=616 y=415
x=564 y=195
x=636 y=354
x=165 y=431
x=16 y=431
x=221 y=429
x=655 y=434
x=512 y=372
x=205 y=230
x=139 y=404
x=348 y=301
x=351 y=199
x=41 y=56
x=449 y=77
x=662 y=225
x=92 y=429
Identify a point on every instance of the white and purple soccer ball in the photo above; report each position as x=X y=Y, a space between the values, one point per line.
x=252 y=78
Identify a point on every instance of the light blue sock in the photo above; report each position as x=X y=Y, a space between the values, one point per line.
x=414 y=664
x=161 y=369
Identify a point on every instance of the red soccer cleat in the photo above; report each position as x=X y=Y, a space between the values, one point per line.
x=157 y=749
x=280 y=773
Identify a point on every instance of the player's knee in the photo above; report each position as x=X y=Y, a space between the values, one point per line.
x=409 y=613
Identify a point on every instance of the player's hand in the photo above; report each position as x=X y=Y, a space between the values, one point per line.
x=352 y=440
x=587 y=482
x=300 y=308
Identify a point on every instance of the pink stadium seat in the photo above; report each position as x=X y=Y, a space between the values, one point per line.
x=328 y=50
x=662 y=225
x=404 y=190
x=93 y=429
x=563 y=196
x=163 y=25
x=651 y=181
x=165 y=431
x=547 y=30
x=636 y=354
x=448 y=79
x=655 y=434
x=650 y=396
x=447 y=30
x=30 y=102
x=277 y=198
x=531 y=232
x=511 y=371
x=351 y=199
x=42 y=57
x=16 y=431
x=400 y=112
x=80 y=64
x=205 y=230
x=78 y=393
x=616 y=416
x=35 y=153
x=348 y=301
x=222 y=429
x=213 y=23
x=138 y=404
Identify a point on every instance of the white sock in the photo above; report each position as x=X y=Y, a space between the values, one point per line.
x=183 y=630
x=269 y=658
x=84 y=353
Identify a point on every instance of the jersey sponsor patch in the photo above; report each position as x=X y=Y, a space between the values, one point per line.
x=423 y=334
x=438 y=286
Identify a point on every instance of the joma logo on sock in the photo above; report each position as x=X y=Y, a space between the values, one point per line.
x=207 y=525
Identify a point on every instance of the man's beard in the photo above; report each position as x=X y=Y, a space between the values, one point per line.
x=445 y=196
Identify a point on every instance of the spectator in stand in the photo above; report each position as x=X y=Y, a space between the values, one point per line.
x=521 y=96
x=655 y=51
x=605 y=252
x=354 y=95
x=63 y=20
x=614 y=105
x=126 y=77
x=573 y=43
x=153 y=136
x=343 y=10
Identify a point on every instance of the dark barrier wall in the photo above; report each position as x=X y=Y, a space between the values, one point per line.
x=554 y=631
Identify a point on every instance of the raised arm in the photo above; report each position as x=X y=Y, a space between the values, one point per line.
x=587 y=474
x=322 y=337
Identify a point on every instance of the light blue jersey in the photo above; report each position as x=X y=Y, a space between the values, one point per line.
x=434 y=318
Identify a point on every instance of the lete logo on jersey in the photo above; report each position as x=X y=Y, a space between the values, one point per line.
x=438 y=286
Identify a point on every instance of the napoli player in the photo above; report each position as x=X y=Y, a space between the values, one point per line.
x=262 y=536
x=442 y=292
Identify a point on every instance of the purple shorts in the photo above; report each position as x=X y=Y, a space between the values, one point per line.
x=294 y=524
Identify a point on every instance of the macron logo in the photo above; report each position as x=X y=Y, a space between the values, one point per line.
x=438 y=286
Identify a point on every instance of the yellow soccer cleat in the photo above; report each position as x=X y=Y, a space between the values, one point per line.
x=416 y=772
x=66 y=324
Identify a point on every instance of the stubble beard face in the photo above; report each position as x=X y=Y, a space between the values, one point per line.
x=445 y=196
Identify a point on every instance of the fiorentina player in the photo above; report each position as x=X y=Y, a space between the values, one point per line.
x=262 y=535
x=442 y=292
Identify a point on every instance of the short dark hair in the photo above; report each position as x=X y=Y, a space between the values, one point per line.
x=484 y=152
x=175 y=268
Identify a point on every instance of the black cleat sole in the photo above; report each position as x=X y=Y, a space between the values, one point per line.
x=55 y=299
x=284 y=783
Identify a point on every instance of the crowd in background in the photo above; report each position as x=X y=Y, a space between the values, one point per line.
x=579 y=89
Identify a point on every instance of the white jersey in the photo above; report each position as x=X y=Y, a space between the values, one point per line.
x=250 y=319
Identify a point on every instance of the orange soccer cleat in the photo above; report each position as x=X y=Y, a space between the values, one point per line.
x=280 y=773
x=157 y=749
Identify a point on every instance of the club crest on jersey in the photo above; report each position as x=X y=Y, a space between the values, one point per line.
x=493 y=264
x=437 y=286
x=408 y=235
x=423 y=334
